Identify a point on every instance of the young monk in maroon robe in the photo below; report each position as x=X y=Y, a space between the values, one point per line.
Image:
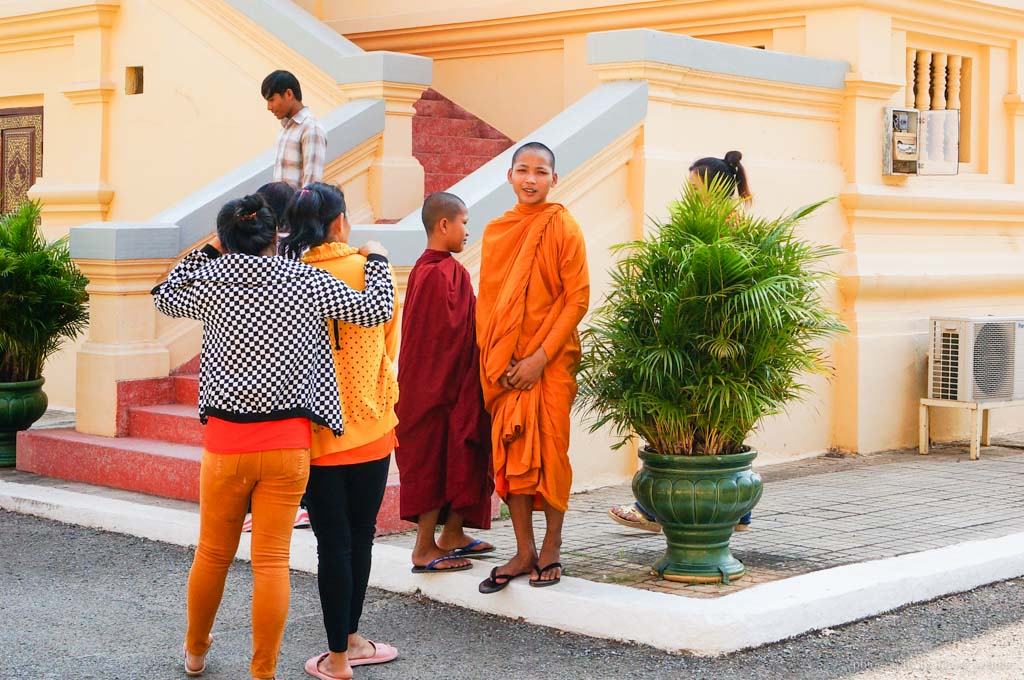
x=444 y=449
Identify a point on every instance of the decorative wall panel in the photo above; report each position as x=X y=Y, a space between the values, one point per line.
x=21 y=154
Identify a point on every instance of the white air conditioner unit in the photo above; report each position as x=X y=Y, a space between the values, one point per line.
x=978 y=358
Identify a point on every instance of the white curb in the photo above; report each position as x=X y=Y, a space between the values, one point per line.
x=755 y=616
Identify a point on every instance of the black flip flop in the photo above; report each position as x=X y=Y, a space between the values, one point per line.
x=540 y=572
x=432 y=568
x=491 y=584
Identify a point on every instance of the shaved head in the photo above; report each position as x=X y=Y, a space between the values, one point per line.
x=441 y=205
x=535 y=147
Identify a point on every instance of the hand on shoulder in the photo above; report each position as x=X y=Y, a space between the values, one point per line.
x=373 y=248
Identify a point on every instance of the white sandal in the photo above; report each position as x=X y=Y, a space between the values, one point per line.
x=629 y=516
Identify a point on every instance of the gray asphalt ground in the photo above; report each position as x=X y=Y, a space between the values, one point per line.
x=82 y=604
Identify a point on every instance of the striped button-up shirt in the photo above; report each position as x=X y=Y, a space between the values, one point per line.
x=301 y=150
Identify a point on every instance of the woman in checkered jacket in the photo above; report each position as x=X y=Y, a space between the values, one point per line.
x=265 y=373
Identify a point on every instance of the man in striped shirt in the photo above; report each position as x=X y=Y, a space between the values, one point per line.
x=302 y=143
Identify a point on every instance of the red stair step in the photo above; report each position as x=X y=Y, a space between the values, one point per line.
x=186 y=389
x=148 y=466
x=177 y=423
x=154 y=467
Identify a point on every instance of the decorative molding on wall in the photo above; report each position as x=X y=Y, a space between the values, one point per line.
x=952 y=201
x=648 y=46
x=92 y=92
x=872 y=86
x=420 y=33
x=125 y=277
x=519 y=33
x=1014 y=103
x=689 y=87
x=36 y=19
x=398 y=97
x=60 y=197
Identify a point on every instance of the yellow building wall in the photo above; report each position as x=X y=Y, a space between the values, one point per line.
x=916 y=247
x=516 y=65
x=200 y=113
x=792 y=158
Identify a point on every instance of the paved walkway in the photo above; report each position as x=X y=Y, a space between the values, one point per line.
x=815 y=514
x=91 y=605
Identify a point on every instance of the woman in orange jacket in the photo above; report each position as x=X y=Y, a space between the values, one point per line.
x=349 y=472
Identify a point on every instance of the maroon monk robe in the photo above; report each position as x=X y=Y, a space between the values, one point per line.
x=444 y=432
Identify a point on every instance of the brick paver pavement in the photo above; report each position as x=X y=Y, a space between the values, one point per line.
x=815 y=514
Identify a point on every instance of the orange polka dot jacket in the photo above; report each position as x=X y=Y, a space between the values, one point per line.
x=364 y=363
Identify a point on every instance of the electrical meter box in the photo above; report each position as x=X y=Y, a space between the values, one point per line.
x=921 y=142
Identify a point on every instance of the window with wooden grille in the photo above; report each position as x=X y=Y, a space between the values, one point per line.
x=939 y=81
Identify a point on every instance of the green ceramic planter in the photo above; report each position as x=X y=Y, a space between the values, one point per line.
x=21 y=404
x=698 y=500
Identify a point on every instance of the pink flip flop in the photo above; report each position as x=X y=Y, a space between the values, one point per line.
x=313 y=668
x=383 y=653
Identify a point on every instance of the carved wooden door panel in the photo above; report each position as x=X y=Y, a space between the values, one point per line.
x=21 y=154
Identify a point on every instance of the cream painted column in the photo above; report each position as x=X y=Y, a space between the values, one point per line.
x=396 y=177
x=865 y=39
x=860 y=132
x=81 y=193
x=1014 y=102
x=122 y=342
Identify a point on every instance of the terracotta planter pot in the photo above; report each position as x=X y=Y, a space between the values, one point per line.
x=21 y=404
x=698 y=500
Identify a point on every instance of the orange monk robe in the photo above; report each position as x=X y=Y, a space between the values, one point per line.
x=534 y=291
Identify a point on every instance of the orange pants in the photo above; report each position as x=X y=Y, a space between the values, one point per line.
x=275 y=481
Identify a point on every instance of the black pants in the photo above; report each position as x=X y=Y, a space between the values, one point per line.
x=343 y=501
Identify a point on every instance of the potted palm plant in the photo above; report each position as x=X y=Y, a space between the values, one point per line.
x=42 y=303
x=712 y=323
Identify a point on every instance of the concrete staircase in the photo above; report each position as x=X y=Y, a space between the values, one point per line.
x=158 y=449
x=450 y=142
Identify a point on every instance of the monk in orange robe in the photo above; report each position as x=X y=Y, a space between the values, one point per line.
x=534 y=291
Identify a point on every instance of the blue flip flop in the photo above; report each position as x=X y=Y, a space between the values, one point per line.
x=467 y=550
x=431 y=568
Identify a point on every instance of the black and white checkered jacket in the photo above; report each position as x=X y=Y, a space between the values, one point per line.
x=266 y=354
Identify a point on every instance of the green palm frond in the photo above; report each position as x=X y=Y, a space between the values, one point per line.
x=711 y=324
x=42 y=296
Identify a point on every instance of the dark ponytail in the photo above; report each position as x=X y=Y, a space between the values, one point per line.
x=276 y=195
x=246 y=225
x=308 y=217
x=728 y=169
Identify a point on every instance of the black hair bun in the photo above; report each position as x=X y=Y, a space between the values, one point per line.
x=733 y=158
x=250 y=204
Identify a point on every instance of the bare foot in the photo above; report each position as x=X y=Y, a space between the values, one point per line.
x=550 y=553
x=520 y=564
x=336 y=665
x=454 y=541
x=425 y=557
x=196 y=662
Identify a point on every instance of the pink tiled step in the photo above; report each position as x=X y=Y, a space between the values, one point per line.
x=186 y=389
x=177 y=423
x=159 y=468
x=149 y=466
